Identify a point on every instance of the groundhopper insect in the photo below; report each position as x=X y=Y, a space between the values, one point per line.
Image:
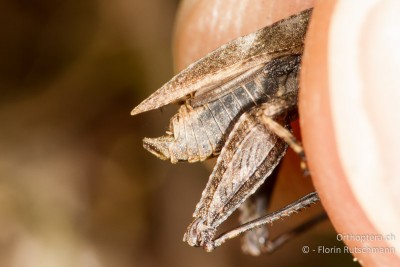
x=238 y=102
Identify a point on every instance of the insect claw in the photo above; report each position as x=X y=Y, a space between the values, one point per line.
x=304 y=168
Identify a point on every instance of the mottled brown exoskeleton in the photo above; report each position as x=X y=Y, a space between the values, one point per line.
x=239 y=101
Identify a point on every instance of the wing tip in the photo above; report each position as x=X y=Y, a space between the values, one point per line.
x=145 y=105
x=154 y=101
x=136 y=111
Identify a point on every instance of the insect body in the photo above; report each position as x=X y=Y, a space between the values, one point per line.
x=238 y=103
x=199 y=129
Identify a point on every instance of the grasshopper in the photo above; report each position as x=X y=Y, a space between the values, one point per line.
x=238 y=102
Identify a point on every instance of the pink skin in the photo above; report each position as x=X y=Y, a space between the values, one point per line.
x=198 y=33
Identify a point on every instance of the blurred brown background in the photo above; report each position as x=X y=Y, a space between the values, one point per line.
x=76 y=187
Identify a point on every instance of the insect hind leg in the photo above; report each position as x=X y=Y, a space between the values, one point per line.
x=256 y=206
x=277 y=242
x=269 y=218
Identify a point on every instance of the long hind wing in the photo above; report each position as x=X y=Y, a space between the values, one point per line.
x=285 y=37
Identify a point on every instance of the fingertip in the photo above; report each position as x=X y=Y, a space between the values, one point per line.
x=364 y=92
x=338 y=148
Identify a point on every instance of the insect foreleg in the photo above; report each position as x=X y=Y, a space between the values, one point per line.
x=288 y=137
x=284 y=104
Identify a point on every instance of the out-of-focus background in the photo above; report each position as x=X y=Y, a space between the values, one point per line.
x=76 y=186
